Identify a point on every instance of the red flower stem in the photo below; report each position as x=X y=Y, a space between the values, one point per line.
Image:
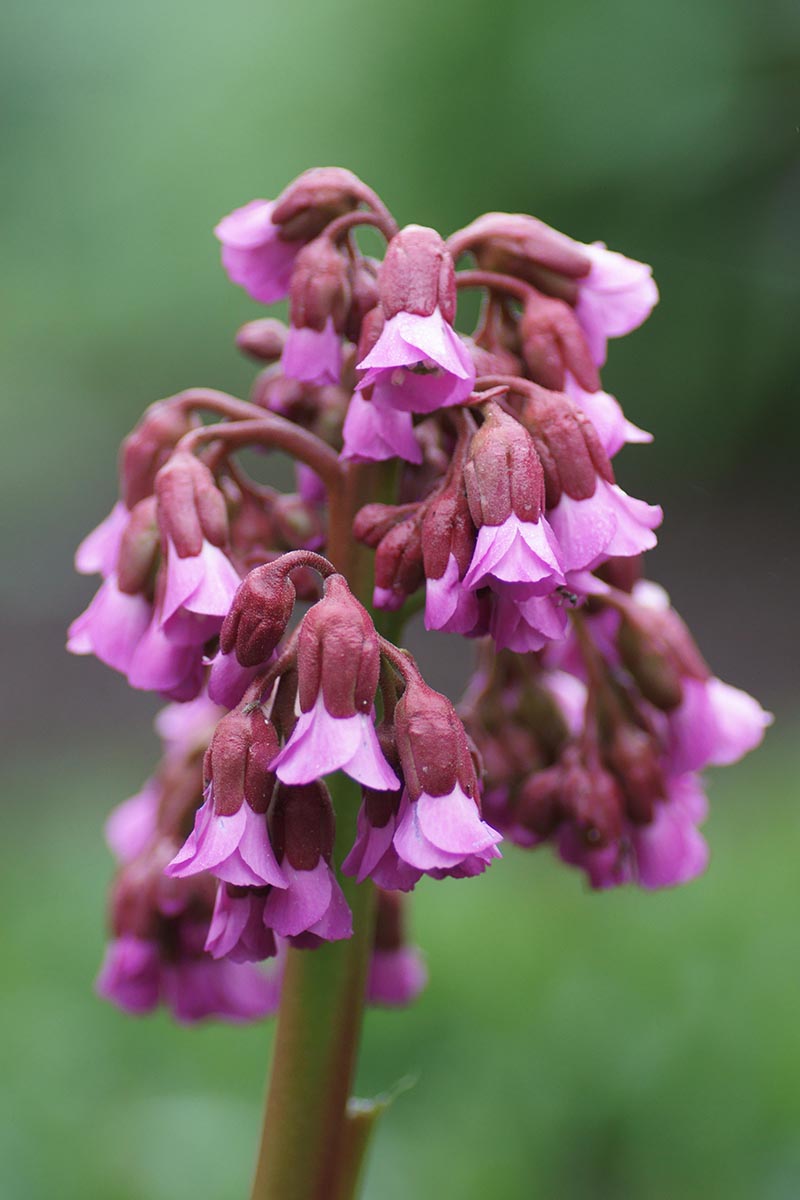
x=308 y=1150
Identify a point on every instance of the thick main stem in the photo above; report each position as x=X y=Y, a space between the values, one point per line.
x=322 y=996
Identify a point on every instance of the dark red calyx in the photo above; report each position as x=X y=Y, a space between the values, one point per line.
x=191 y=507
x=374 y=521
x=417 y=275
x=147 y=447
x=553 y=343
x=633 y=757
x=503 y=473
x=570 y=451
x=242 y=748
x=390 y=921
x=398 y=563
x=302 y=825
x=432 y=744
x=139 y=549
x=320 y=287
x=263 y=339
x=314 y=199
x=338 y=653
x=447 y=529
x=259 y=614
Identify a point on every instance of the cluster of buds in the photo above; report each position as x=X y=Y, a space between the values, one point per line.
x=497 y=507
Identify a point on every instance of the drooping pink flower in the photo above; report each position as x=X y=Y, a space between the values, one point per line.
x=132 y=824
x=313 y=355
x=419 y=364
x=527 y=624
x=605 y=412
x=373 y=854
x=606 y=524
x=130 y=975
x=97 y=553
x=450 y=605
x=444 y=833
x=228 y=680
x=254 y=254
x=616 y=296
x=112 y=627
x=198 y=592
x=338 y=663
x=374 y=431
x=237 y=930
x=714 y=725
x=524 y=554
x=396 y=977
x=230 y=836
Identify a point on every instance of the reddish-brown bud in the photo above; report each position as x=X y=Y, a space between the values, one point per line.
x=242 y=748
x=658 y=650
x=569 y=449
x=374 y=521
x=447 y=529
x=390 y=921
x=364 y=296
x=633 y=757
x=417 y=275
x=191 y=507
x=503 y=474
x=337 y=653
x=139 y=548
x=259 y=614
x=147 y=447
x=519 y=245
x=320 y=287
x=398 y=564
x=315 y=198
x=593 y=800
x=263 y=339
x=553 y=343
x=302 y=825
x=432 y=744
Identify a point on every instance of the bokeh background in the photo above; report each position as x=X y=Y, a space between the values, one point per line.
x=569 y=1045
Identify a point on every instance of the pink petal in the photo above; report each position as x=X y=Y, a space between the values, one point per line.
x=98 y=552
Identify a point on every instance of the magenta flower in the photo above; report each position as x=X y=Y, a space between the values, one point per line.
x=516 y=553
x=609 y=523
x=396 y=977
x=443 y=833
x=112 y=627
x=188 y=728
x=234 y=847
x=527 y=624
x=130 y=975
x=98 y=552
x=313 y=355
x=373 y=854
x=664 y=853
x=322 y=743
x=715 y=725
x=197 y=594
x=605 y=412
x=312 y=904
x=419 y=364
x=254 y=254
x=131 y=826
x=237 y=930
x=228 y=680
x=449 y=604
x=374 y=431
x=616 y=296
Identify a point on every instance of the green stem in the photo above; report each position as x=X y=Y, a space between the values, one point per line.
x=307 y=1151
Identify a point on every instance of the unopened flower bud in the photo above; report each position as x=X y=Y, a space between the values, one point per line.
x=139 y=548
x=147 y=447
x=337 y=653
x=315 y=198
x=553 y=343
x=320 y=289
x=503 y=474
x=432 y=744
x=191 y=508
x=263 y=339
x=398 y=564
x=417 y=275
x=374 y=521
x=633 y=757
x=519 y=245
x=259 y=614
x=364 y=298
x=302 y=825
x=238 y=762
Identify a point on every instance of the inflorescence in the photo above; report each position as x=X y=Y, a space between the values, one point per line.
x=496 y=507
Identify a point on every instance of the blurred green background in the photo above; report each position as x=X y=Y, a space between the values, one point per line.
x=569 y=1045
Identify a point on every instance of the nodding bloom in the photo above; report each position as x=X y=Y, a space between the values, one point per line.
x=338 y=663
x=397 y=972
x=439 y=828
x=255 y=255
x=375 y=431
x=99 y=550
x=237 y=930
x=417 y=363
x=320 y=302
x=515 y=547
x=230 y=837
x=614 y=298
x=612 y=427
x=591 y=517
x=157 y=956
x=312 y=907
x=448 y=544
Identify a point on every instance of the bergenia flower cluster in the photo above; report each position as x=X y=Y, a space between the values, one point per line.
x=468 y=475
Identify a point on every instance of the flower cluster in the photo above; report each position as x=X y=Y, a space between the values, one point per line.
x=479 y=470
